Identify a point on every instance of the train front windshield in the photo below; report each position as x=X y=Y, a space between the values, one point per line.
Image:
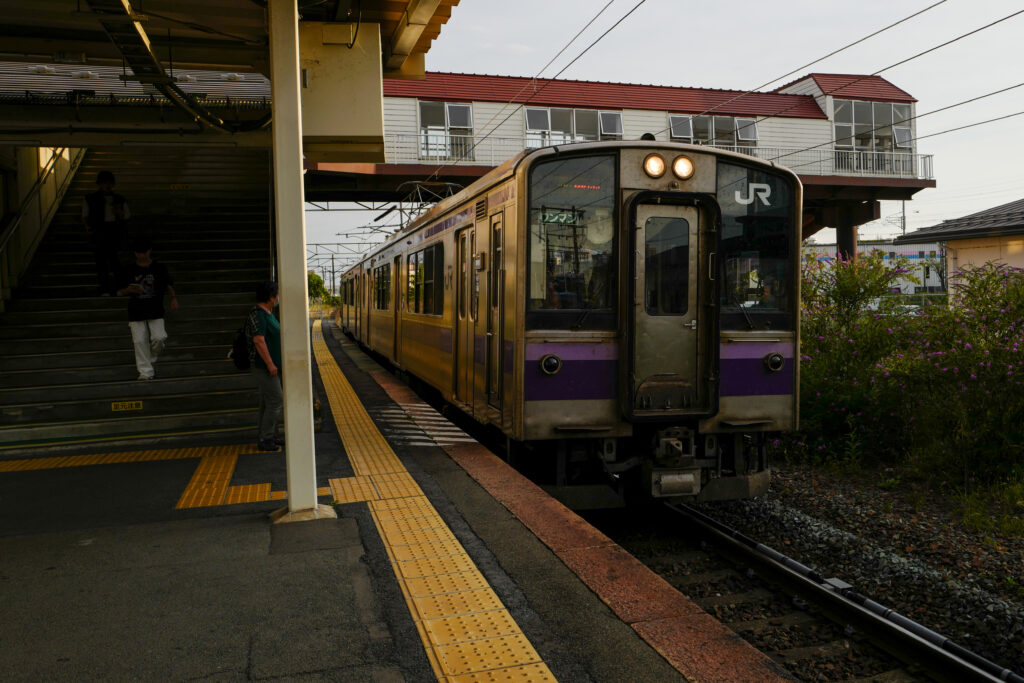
x=756 y=268
x=571 y=247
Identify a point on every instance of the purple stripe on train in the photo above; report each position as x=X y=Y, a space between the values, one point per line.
x=743 y=372
x=589 y=372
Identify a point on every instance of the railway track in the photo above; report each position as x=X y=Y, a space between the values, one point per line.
x=818 y=628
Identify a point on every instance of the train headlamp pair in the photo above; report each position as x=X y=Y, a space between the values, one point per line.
x=655 y=166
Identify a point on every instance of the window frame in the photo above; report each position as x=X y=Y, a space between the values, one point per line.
x=672 y=126
x=416 y=282
x=428 y=149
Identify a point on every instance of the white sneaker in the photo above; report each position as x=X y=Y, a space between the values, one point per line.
x=145 y=378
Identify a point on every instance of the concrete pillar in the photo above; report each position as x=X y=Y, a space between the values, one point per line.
x=289 y=200
x=846 y=241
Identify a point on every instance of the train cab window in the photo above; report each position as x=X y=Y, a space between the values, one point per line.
x=571 y=250
x=756 y=267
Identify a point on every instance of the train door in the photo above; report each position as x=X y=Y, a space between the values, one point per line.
x=464 y=316
x=357 y=304
x=397 y=282
x=495 y=296
x=666 y=322
x=367 y=295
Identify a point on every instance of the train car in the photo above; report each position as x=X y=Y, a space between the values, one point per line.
x=626 y=313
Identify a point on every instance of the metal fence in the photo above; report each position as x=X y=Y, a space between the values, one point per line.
x=433 y=147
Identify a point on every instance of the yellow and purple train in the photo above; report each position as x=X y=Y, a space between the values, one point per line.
x=626 y=313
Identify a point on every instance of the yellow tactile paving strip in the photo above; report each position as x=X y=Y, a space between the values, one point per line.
x=210 y=483
x=467 y=633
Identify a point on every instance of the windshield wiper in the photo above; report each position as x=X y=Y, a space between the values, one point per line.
x=746 y=316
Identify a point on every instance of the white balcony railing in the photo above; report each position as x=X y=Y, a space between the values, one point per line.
x=428 y=148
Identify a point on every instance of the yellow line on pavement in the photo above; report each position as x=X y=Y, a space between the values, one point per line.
x=467 y=633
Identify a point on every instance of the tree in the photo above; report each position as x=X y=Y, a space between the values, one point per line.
x=317 y=291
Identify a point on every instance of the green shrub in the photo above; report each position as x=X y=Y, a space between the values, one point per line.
x=935 y=392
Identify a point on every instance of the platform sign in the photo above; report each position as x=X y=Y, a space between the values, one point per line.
x=119 y=406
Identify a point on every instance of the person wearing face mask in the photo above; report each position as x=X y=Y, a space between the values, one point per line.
x=265 y=332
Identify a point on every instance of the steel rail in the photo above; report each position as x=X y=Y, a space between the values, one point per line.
x=899 y=636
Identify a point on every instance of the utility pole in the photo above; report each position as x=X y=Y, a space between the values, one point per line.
x=333 y=293
x=904 y=221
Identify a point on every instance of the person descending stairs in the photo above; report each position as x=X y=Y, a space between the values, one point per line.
x=67 y=366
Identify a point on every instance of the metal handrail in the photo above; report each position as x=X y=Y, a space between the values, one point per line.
x=48 y=170
x=435 y=146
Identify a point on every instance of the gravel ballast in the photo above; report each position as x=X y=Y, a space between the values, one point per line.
x=909 y=554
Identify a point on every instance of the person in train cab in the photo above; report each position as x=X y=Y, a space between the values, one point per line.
x=104 y=213
x=265 y=332
x=146 y=282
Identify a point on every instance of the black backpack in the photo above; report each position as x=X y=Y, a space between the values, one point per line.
x=242 y=348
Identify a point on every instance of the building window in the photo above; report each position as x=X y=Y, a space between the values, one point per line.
x=426 y=281
x=446 y=130
x=724 y=131
x=553 y=126
x=680 y=128
x=382 y=287
x=872 y=126
x=746 y=132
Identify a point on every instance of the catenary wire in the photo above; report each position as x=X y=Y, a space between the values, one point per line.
x=760 y=118
x=812 y=63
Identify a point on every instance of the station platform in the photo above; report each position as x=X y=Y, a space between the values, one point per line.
x=444 y=563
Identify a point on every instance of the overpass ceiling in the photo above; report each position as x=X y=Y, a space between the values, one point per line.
x=203 y=34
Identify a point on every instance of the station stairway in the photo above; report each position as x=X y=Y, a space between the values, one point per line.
x=67 y=368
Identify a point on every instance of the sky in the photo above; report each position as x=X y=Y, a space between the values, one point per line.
x=742 y=45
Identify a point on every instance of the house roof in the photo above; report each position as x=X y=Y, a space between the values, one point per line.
x=1007 y=219
x=595 y=94
x=855 y=87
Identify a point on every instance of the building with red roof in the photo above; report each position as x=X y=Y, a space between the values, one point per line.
x=850 y=137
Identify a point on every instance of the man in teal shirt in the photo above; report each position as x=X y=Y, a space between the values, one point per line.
x=265 y=332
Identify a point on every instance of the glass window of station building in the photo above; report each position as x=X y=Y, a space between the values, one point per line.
x=446 y=130
x=720 y=131
x=553 y=126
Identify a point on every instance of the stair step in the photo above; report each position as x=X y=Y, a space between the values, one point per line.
x=121 y=341
x=123 y=372
x=120 y=314
x=114 y=430
x=111 y=329
x=110 y=302
x=234 y=380
x=104 y=409
x=70 y=291
x=107 y=357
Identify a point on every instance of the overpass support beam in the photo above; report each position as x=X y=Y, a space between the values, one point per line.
x=289 y=203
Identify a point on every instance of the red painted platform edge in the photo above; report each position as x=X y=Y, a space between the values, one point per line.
x=692 y=641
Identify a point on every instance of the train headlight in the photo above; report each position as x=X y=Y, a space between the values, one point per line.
x=654 y=165
x=682 y=167
x=550 y=364
x=774 y=362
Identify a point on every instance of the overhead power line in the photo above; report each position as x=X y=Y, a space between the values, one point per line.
x=904 y=120
x=884 y=69
x=812 y=63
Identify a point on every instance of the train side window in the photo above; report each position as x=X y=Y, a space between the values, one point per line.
x=426 y=281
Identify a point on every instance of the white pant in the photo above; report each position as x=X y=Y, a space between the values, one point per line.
x=148 y=337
